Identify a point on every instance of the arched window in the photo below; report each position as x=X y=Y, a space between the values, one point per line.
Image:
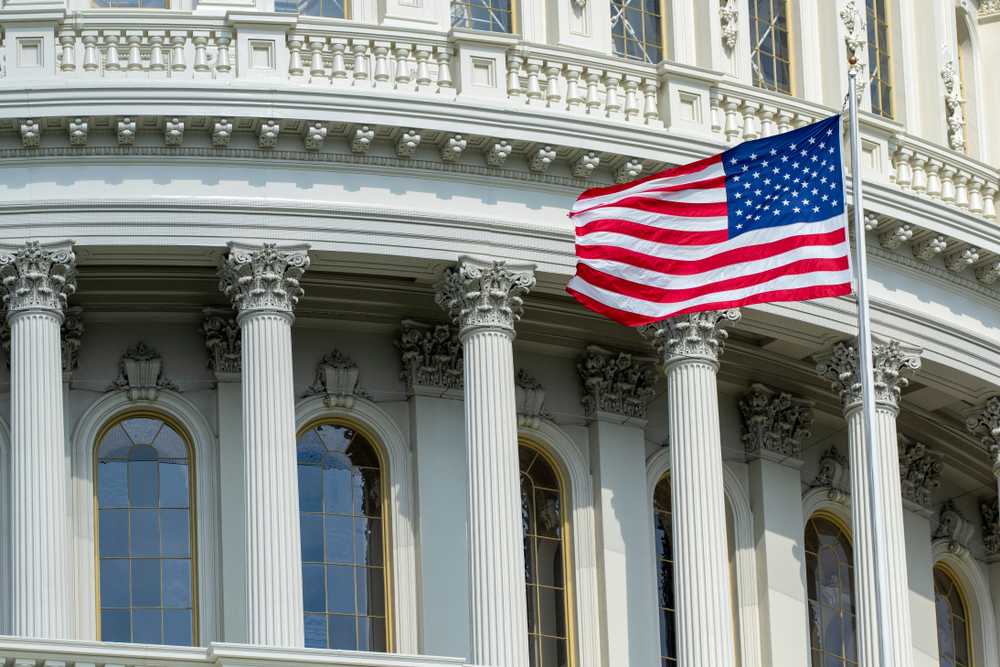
x=878 y=57
x=952 y=620
x=544 y=559
x=343 y=540
x=488 y=15
x=333 y=9
x=664 y=536
x=145 y=534
x=770 y=54
x=830 y=586
x=637 y=29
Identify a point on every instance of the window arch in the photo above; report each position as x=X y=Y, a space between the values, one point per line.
x=341 y=516
x=878 y=57
x=953 y=627
x=545 y=569
x=830 y=589
x=145 y=529
x=770 y=49
x=637 y=29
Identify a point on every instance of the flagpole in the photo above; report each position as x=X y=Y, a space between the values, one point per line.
x=883 y=633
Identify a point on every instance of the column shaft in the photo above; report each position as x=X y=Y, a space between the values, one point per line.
x=497 y=600
x=273 y=551
x=702 y=596
x=42 y=592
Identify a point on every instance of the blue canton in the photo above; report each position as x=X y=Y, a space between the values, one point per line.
x=789 y=178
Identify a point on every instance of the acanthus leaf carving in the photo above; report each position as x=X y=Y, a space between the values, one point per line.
x=691 y=335
x=529 y=396
x=432 y=360
x=223 y=338
x=263 y=277
x=774 y=425
x=616 y=385
x=989 y=7
x=140 y=373
x=890 y=360
x=985 y=422
x=991 y=530
x=337 y=380
x=919 y=471
x=37 y=276
x=70 y=334
x=955 y=528
x=481 y=294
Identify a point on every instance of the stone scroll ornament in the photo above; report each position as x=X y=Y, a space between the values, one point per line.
x=485 y=295
x=263 y=277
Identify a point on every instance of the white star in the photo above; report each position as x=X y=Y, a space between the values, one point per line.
x=796 y=180
x=815 y=191
x=796 y=209
x=739 y=226
x=825 y=197
x=822 y=145
x=733 y=161
x=757 y=192
x=805 y=201
x=784 y=158
x=740 y=212
x=835 y=203
x=767 y=208
x=815 y=209
x=737 y=194
x=753 y=156
x=793 y=147
x=777 y=171
x=775 y=211
x=763 y=163
x=746 y=185
x=774 y=151
x=812 y=140
x=823 y=180
x=784 y=203
x=787 y=176
x=829 y=132
x=767 y=181
x=795 y=165
x=805 y=153
x=756 y=174
x=814 y=158
x=746 y=168
x=756 y=218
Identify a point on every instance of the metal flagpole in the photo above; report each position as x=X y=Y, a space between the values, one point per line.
x=884 y=632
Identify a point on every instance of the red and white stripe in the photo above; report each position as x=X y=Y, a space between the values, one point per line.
x=660 y=247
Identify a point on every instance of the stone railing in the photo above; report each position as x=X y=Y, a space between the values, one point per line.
x=18 y=652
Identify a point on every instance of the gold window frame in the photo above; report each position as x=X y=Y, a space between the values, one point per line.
x=514 y=23
x=887 y=78
x=846 y=530
x=346 y=17
x=663 y=32
x=957 y=585
x=192 y=503
x=755 y=51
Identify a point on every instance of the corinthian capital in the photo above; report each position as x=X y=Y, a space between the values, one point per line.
x=263 y=277
x=37 y=276
x=890 y=360
x=694 y=335
x=985 y=422
x=482 y=294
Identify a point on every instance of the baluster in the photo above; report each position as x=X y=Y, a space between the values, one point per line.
x=947 y=184
x=443 y=56
x=295 y=56
x=573 y=98
x=177 y=41
x=961 y=190
x=534 y=91
x=423 y=80
x=903 y=174
x=732 y=130
x=650 y=108
x=749 y=111
x=134 y=38
x=919 y=183
x=802 y=120
x=989 y=203
x=713 y=105
x=317 y=70
x=592 y=78
x=611 y=104
x=360 y=50
x=223 y=63
x=552 y=93
x=67 y=38
x=402 y=55
x=933 y=179
x=784 y=122
x=90 y=51
x=631 y=87
x=200 y=40
x=111 y=62
x=975 y=195
x=156 y=62
x=767 y=127
x=513 y=75
x=339 y=70
x=381 y=53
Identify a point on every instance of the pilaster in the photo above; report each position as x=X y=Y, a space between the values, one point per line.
x=484 y=300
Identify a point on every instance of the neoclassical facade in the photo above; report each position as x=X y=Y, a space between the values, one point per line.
x=291 y=375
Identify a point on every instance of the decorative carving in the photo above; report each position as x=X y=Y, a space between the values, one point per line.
x=894 y=238
x=958 y=261
x=730 y=15
x=268 y=136
x=989 y=7
x=955 y=528
x=775 y=423
x=265 y=277
x=629 y=170
x=890 y=360
x=986 y=422
x=856 y=40
x=585 y=165
x=407 y=143
x=691 y=335
x=78 y=131
x=126 y=130
x=989 y=273
x=223 y=338
x=926 y=249
x=222 y=132
x=362 y=137
x=615 y=385
x=541 y=159
x=337 y=378
x=71 y=333
x=31 y=133
x=432 y=359
x=529 y=396
x=497 y=151
x=834 y=471
x=580 y=3
x=991 y=528
x=315 y=134
x=919 y=471
x=871 y=221
x=173 y=131
x=37 y=276
x=953 y=99
x=141 y=374
x=485 y=295
x=452 y=149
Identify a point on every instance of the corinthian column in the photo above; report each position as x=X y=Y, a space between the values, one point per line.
x=484 y=299
x=36 y=281
x=690 y=345
x=262 y=282
x=842 y=369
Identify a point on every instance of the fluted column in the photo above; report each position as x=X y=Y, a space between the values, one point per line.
x=690 y=345
x=484 y=300
x=262 y=282
x=841 y=368
x=36 y=281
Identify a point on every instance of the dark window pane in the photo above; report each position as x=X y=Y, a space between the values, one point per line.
x=143 y=482
x=362 y=453
x=175 y=533
x=315 y=630
x=113 y=527
x=553 y=651
x=177 y=629
x=833 y=632
x=849 y=651
x=815 y=626
x=311 y=528
x=147 y=626
x=550 y=611
x=174 y=483
x=368 y=542
x=144 y=529
x=550 y=560
x=343 y=632
x=367 y=492
x=549 y=521
x=112 y=484
x=145 y=583
x=176 y=582
x=339 y=590
x=530 y=562
x=314 y=591
x=339 y=540
x=370 y=583
x=310 y=488
x=532 y=598
x=114 y=582
x=376 y=635
x=116 y=625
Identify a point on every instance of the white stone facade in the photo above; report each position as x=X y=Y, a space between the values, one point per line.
x=245 y=225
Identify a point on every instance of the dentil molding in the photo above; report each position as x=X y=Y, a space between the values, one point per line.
x=616 y=388
x=891 y=359
x=774 y=425
x=265 y=277
x=481 y=294
x=432 y=360
x=693 y=335
x=140 y=373
x=37 y=276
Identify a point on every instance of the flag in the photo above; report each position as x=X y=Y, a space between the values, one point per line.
x=764 y=221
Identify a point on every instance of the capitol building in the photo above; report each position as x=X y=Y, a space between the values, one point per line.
x=290 y=376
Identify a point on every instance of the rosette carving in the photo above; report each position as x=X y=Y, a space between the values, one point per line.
x=691 y=335
x=485 y=295
x=263 y=277
x=890 y=360
x=37 y=276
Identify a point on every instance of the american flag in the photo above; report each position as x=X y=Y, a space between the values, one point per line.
x=764 y=221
